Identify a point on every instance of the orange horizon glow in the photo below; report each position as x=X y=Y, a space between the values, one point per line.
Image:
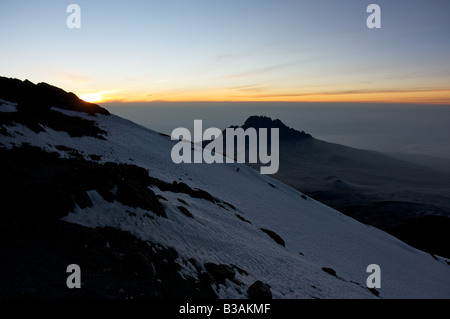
x=438 y=96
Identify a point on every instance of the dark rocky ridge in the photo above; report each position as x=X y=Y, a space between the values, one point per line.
x=35 y=182
x=37 y=98
x=34 y=103
x=37 y=121
x=55 y=185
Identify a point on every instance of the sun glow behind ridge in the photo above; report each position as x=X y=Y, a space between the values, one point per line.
x=94 y=97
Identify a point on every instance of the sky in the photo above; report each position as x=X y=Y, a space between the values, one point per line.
x=246 y=50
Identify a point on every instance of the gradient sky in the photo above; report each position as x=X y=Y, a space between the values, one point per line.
x=226 y=50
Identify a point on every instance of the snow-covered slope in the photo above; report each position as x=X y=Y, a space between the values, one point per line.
x=228 y=229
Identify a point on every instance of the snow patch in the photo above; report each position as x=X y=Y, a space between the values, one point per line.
x=323 y=236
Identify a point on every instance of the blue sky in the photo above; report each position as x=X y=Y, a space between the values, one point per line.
x=243 y=50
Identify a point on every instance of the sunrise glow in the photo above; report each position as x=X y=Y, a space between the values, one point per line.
x=95 y=97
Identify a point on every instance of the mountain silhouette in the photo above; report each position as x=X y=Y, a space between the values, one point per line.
x=285 y=132
x=41 y=97
x=79 y=186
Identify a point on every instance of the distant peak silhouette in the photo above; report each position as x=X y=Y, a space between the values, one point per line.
x=286 y=132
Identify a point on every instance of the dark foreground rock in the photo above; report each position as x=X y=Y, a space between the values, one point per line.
x=114 y=264
x=259 y=291
x=274 y=236
x=38 y=183
x=220 y=272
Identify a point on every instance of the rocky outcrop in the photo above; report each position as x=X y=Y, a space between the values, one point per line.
x=274 y=236
x=38 y=98
x=259 y=291
x=220 y=272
